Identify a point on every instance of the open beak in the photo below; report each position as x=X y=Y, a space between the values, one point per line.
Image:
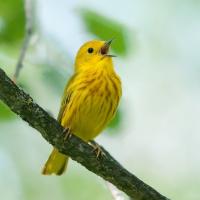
x=105 y=48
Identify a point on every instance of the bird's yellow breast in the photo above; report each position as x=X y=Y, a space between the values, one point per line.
x=93 y=102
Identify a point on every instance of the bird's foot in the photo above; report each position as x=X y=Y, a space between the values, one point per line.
x=97 y=149
x=67 y=133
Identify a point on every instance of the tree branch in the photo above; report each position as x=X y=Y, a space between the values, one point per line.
x=28 y=8
x=106 y=167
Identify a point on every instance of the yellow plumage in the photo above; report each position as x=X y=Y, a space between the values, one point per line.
x=90 y=98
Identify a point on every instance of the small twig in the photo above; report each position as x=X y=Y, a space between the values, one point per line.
x=28 y=7
x=116 y=194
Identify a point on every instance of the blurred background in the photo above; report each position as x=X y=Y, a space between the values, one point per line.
x=155 y=133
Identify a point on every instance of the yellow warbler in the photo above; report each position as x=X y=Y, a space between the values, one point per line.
x=90 y=98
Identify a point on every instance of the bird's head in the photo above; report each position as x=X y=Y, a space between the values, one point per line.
x=94 y=53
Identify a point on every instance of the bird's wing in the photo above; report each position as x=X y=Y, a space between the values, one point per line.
x=65 y=99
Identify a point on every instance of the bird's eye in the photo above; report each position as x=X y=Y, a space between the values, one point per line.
x=90 y=50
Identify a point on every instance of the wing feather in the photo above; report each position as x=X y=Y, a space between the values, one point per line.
x=65 y=99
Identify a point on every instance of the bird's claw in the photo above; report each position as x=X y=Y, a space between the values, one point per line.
x=67 y=133
x=97 y=149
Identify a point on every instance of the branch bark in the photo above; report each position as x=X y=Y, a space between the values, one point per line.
x=106 y=167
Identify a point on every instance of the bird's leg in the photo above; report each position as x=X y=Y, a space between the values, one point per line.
x=67 y=133
x=97 y=149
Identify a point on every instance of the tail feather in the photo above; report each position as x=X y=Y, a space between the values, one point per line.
x=56 y=163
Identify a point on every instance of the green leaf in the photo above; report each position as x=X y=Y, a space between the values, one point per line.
x=12 y=20
x=5 y=112
x=105 y=29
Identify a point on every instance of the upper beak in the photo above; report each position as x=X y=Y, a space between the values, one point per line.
x=105 y=48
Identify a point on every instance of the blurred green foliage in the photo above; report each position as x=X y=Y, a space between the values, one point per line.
x=54 y=77
x=12 y=20
x=105 y=28
x=5 y=113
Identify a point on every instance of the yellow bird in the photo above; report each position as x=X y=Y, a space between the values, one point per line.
x=90 y=98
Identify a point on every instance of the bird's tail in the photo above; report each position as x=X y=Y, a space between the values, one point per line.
x=56 y=163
